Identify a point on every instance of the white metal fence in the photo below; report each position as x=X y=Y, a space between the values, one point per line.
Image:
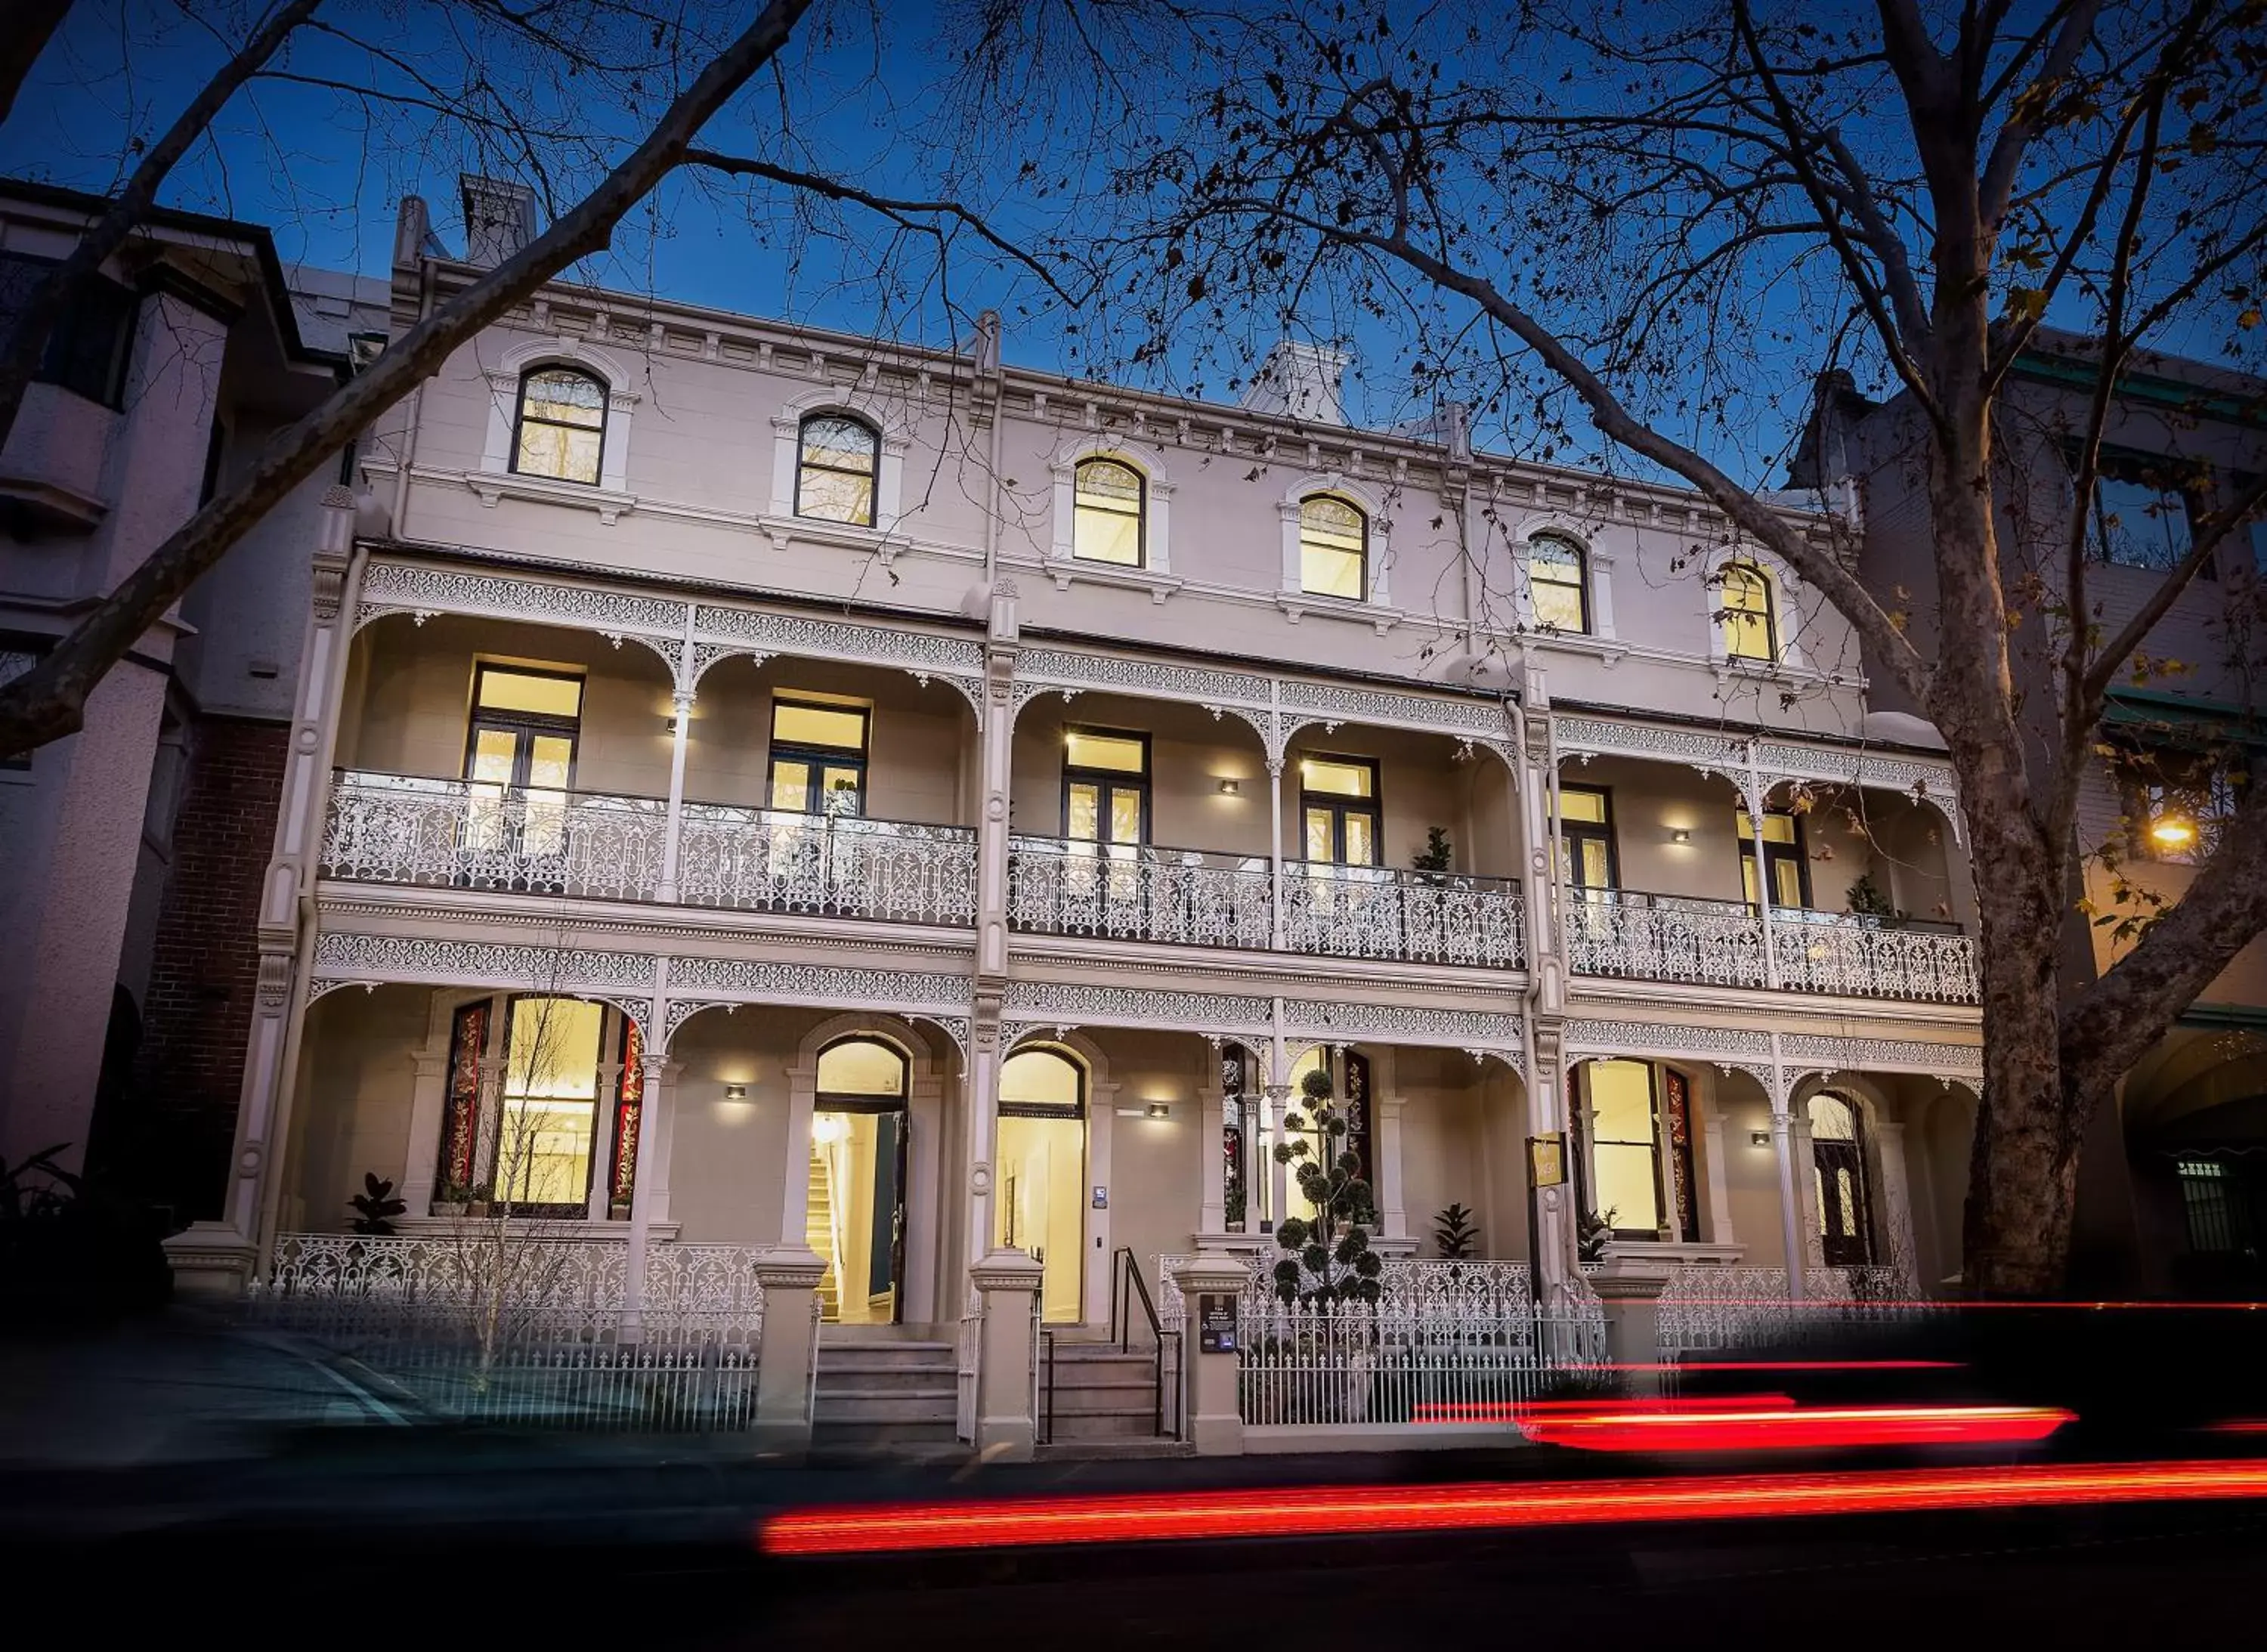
x=1360 y=1366
x=1718 y=1309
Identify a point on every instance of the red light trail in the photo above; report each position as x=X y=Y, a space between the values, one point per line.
x=1788 y=1428
x=1342 y=1510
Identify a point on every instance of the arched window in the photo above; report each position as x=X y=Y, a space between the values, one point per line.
x=1558 y=581
x=837 y=459
x=1839 y=1165
x=856 y=1069
x=1040 y=1174
x=1109 y=513
x=550 y=1106
x=1639 y=1130
x=560 y=427
x=1750 y=624
x=1333 y=547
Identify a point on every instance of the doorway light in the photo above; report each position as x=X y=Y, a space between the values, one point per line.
x=1759 y=1138
x=1231 y=787
x=2173 y=832
x=1682 y=834
x=736 y=1092
x=1160 y=1110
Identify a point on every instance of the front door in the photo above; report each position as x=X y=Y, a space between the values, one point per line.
x=1838 y=1164
x=855 y=1212
x=1786 y=868
x=519 y=762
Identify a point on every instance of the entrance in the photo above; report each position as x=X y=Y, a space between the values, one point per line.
x=855 y=1215
x=1041 y=1174
x=1838 y=1163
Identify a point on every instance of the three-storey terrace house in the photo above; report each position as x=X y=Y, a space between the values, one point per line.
x=885 y=807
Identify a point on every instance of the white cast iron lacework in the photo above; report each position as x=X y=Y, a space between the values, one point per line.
x=833 y=639
x=1137 y=893
x=1381 y=912
x=1426 y=1289
x=1062 y=1005
x=1873 y=958
x=1838 y=1054
x=455 y=835
x=771 y=860
x=1708 y=1309
x=1043 y=666
x=1611 y=1038
x=1336 y=703
x=1463 y=1029
x=757 y=980
x=1624 y=933
x=342 y=953
x=406 y=588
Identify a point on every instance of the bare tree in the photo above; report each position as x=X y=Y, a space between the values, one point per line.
x=553 y=123
x=1637 y=233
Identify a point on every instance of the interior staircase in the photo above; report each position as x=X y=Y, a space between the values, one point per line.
x=819 y=1234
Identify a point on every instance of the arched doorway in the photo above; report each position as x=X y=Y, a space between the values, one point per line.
x=1837 y=1153
x=1042 y=1173
x=855 y=1215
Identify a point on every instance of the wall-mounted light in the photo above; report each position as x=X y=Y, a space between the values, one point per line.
x=1759 y=1138
x=736 y=1092
x=669 y=725
x=1681 y=834
x=2173 y=832
x=1231 y=787
x=1160 y=1110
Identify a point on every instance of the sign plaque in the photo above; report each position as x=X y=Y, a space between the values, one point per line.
x=1546 y=1158
x=1215 y=1323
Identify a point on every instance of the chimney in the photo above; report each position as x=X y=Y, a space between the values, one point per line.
x=1300 y=381
x=499 y=218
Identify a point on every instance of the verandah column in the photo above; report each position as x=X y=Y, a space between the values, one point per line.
x=218 y=1258
x=996 y=743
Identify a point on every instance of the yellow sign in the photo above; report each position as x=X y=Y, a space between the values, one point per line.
x=1546 y=1160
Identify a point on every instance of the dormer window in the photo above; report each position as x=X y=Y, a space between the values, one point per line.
x=560 y=430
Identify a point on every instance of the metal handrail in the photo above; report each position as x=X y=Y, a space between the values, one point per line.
x=1121 y=1327
x=1715 y=906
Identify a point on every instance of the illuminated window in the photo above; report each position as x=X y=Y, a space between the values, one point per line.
x=519 y=756
x=1750 y=624
x=1040 y=1170
x=838 y=459
x=1839 y=1181
x=1586 y=832
x=562 y=428
x=1558 y=580
x=1105 y=786
x=1641 y=1147
x=861 y=1067
x=819 y=757
x=1333 y=548
x=1788 y=864
x=2142 y=511
x=550 y=1105
x=1109 y=505
x=1338 y=809
x=855 y=1209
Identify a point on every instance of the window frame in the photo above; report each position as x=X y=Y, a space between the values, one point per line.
x=98 y=323
x=1675 y=1179
x=1580 y=584
x=1140 y=513
x=1571 y=831
x=1341 y=806
x=1362 y=554
x=818 y=759
x=522 y=723
x=1073 y=774
x=519 y=420
x=1798 y=851
x=872 y=474
x=2162 y=474
x=1773 y=644
x=1078 y=1108
x=853 y=1101
x=602 y=1104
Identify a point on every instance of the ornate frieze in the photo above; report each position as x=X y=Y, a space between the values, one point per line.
x=768 y=633
x=1614 y=1038
x=410 y=588
x=1067 y=1004
x=1341 y=703
x=1157 y=679
x=1817 y=1054
x=749 y=981
x=344 y=956
x=1323 y=1019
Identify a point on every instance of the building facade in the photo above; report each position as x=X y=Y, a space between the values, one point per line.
x=2172 y=1191
x=882 y=808
x=131 y=852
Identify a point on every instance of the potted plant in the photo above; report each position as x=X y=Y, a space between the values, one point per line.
x=1865 y=900
x=1430 y=862
x=375 y=1207
x=1454 y=1236
x=1594 y=1231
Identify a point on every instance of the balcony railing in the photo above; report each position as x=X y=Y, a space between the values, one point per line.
x=771 y=860
x=1380 y=912
x=463 y=834
x=1128 y=892
x=1633 y=933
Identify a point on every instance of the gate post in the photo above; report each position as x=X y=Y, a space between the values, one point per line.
x=788 y=1278
x=1216 y=1420
x=1006 y=1430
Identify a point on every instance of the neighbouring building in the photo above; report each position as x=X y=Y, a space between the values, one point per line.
x=131 y=852
x=758 y=789
x=2173 y=1180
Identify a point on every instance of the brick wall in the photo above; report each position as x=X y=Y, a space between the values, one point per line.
x=205 y=967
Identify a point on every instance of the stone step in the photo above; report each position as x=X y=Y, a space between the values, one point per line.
x=870 y=1405
x=899 y=1442
x=1063 y=1429
x=1101 y=1402
x=887 y=1381
x=1110 y=1450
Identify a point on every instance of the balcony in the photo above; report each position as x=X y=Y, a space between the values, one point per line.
x=456 y=835
x=1126 y=892
x=1380 y=912
x=1639 y=935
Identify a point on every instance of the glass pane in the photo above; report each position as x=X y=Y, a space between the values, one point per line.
x=1082 y=816
x=1344 y=780
x=1747 y=614
x=1325 y=572
x=1777 y=827
x=1576 y=803
x=841 y=791
x=1039 y=1078
x=1125 y=815
x=543 y=1151
x=1360 y=840
x=1088 y=748
x=790 y=784
x=1104 y=481
x=1787 y=882
x=1621 y=1099
x=564 y=398
x=1818 y=1196
x=1845 y=1189
x=1830 y=1119
x=833 y=496
x=1560 y=607
x=1334 y=523
x=1592 y=869
x=861 y=1067
x=1627 y=1188
x=2142 y=524
x=1041 y=1176
x=799 y=723
x=1552 y=561
x=555 y=450
x=494 y=752
x=554 y=1048
x=1319 y=846
x=523 y=691
x=550 y=762
x=838 y=444
x=1100 y=535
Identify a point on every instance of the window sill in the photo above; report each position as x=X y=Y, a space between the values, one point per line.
x=1069 y=570
x=492 y=485
x=1673 y=1254
x=841 y=536
x=1296 y=604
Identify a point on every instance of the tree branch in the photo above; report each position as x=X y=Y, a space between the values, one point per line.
x=49 y=700
x=2206 y=538
x=2006 y=156
x=24 y=30
x=20 y=358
